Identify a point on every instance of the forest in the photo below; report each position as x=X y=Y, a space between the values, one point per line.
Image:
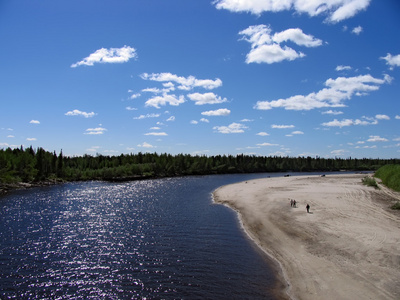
x=38 y=165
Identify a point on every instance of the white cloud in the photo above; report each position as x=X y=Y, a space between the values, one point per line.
x=95 y=131
x=232 y=128
x=164 y=100
x=350 y=122
x=262 y=134
x=10 y=136
x=77 y=112
x=335 y=10
x=357 y=30
x=392 y=61
x=134 y=96
x=206 y=98
x=218 y=112
x=146 y=116
x=31 y=139
x=336 y=92
x=34 y=122
x=397 y=117
x=266 y=48
x=185 y=83
x=281 y=126
x=130 y=108
x=376 y=138
x=297 y=132
x=267 y=144
x=382 y=117
x=171 y=119
x=339 y=152
x=204 y=120
x=145 y=145
x=343 y=68
x=156 y=133
x=112 y=55
x=194 y=122
x=332 y=112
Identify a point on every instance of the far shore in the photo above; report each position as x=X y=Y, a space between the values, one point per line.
x=346 y=247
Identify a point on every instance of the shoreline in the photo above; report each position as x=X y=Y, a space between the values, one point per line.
x=345 y=248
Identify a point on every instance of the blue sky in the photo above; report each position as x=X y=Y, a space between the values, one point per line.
x=287 y=78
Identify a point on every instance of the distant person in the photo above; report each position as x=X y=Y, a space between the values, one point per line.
x=308 y=208
x=294 y=203
x=291 y=202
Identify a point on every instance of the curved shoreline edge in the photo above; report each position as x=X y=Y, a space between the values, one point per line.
x=345 y=248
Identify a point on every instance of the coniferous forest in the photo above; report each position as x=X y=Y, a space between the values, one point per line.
x=38 y=165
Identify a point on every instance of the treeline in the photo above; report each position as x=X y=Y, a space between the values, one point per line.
x=35 y=165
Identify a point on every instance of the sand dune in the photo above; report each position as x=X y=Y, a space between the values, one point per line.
x=347 y=247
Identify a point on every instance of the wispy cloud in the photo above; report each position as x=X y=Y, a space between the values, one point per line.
x=282 y=126
x=342 y=68
x=267 y=144
x=77 y=112
x=95 y=131
x=262 y=134
x=350 y=122
x=232 y=128
x=145 y=145
x=31 y=139
x=267 y=48
x=156 y=133
x=336 y=92
x=185 y=83
x=376 y=138
x=336 y=11
x=36 y=122
x=332 y=112
x=141 y=117
x=112 y=55
x=218 y=112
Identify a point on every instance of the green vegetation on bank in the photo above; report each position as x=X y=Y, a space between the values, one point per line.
x=390 y=176
x=369 y=181
x=39 y=165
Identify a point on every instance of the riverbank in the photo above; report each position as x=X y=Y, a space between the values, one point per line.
x=347 y=247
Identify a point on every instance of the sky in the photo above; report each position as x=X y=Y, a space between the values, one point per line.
x=206 y=77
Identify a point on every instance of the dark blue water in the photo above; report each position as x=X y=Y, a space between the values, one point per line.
x=154 y=239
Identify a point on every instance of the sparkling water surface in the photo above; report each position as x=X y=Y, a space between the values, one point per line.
x=153 y=239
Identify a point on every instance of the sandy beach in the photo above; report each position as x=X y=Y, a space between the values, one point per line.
x=347 y=247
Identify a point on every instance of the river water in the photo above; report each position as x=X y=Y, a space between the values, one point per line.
x=153 y=239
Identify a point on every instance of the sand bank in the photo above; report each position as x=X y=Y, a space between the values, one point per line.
x=347 y=247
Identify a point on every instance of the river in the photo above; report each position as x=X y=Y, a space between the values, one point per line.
x=150 y=239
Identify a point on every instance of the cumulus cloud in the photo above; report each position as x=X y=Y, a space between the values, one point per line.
x=194 y=122
x=206 y=98
x=34 y=122
x=281 y=126
x=95 y=131
x=376 y=138
x=336 y=92
x=336 y=11
x=392 y=60
x=204 y=120
x=141 y=117
x=357 y=30
x=349 y=122
x=332 y=112
x=145 y=145
x=164 y=100
x=77 y=112
x=382 y=117
x=185 y=83
x=262 y=134
x=111 y=55
x=218 y=112
x=267 y=48
x=232 y=128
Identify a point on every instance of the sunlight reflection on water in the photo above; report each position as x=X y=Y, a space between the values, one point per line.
x=144 y=239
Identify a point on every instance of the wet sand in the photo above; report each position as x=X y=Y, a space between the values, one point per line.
x=347 y=247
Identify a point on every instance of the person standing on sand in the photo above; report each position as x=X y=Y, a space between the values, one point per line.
x=308 y=208
x=291 y=202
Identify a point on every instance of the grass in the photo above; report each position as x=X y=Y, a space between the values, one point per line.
x=390 y=176
x=369 y=181
x=396 y=206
